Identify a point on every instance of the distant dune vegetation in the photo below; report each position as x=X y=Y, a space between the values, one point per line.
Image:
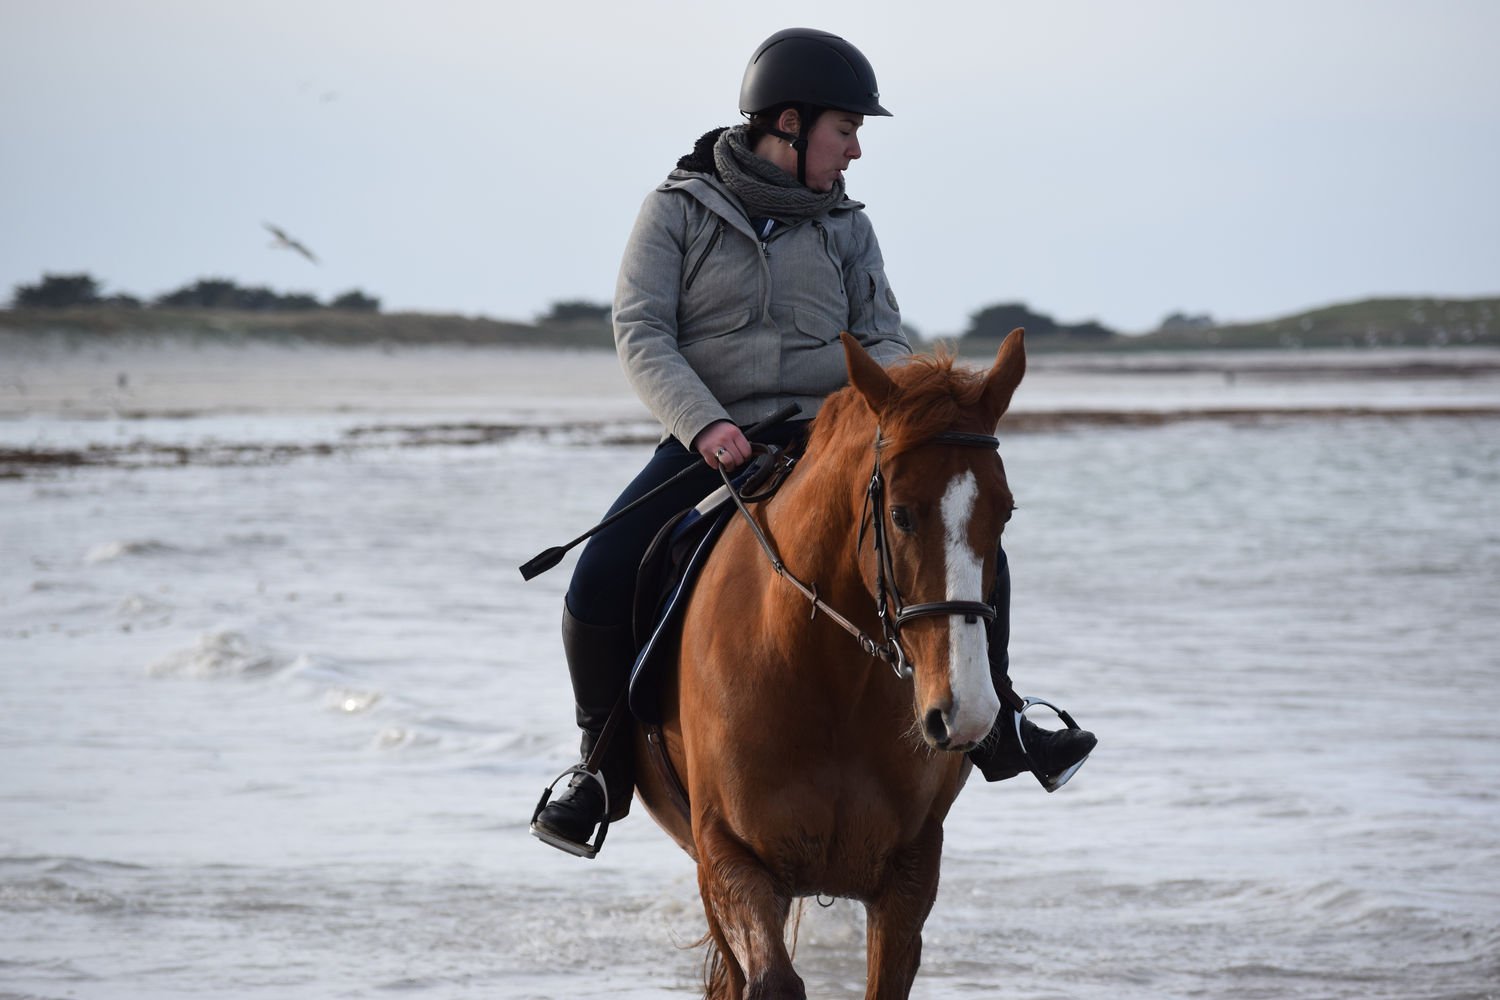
x=1409 y=322
x=70 y=307
x=325 y=326
x=1393 y=322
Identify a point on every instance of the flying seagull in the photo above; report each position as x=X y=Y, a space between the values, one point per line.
x=285 y=241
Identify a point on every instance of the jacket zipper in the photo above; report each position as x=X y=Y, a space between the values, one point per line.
x=823 y=232
x=713 y=245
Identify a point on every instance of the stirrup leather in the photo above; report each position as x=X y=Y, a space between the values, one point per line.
x=1050 y=782
x=573 y=847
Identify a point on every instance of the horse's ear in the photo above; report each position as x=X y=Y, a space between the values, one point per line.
x=1000 y=384
x=866 y=375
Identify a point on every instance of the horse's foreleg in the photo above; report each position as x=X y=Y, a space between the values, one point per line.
x=747 y=916
x=893 y=927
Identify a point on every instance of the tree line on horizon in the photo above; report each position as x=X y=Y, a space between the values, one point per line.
x=62 y=291
x=991 y=322
x=59 y=291
x=994 y=322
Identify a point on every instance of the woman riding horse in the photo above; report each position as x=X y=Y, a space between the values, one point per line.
x=742 y=270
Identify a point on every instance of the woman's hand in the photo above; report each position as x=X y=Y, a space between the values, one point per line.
x=721 y=443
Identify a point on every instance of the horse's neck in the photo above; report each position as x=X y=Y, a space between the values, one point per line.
x=814 y=524
x=815 y=517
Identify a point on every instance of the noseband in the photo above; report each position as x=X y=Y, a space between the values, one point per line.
x=889 y=608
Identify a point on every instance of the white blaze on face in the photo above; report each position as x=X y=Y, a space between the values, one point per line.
x=975 y=703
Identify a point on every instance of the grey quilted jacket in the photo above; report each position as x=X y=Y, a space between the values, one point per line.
x=711 y=322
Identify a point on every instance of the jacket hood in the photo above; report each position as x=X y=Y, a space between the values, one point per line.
x=701 y=159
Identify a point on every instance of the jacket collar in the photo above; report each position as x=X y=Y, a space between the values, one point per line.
x=711 y=192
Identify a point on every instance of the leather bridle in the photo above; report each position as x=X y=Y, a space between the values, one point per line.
x=889 y=606
x=890 y=609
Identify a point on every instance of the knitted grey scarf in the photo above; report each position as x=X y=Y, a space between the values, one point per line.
x=764 y=188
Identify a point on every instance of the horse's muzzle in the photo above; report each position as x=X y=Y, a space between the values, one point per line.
x=937 y=730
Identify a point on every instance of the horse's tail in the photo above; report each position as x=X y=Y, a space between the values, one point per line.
x=716 y=982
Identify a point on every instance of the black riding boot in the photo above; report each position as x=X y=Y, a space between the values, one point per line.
x=599 y=660
x=1000 y=756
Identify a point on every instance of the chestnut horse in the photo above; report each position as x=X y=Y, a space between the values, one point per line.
x=810 y=766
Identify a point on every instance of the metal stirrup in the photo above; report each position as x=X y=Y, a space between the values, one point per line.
x=1051 y=782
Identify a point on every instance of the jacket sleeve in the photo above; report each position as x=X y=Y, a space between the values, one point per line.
x=645 y=321
x=874 y=316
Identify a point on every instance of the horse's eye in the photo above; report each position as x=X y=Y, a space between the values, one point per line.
x=901 y=518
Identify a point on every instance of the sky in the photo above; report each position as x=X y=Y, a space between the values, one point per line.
x=1095 y=159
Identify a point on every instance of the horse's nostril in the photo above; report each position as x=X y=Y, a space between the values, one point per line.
x=936 y=726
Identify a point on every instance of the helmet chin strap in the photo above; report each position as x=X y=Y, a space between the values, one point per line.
x=799 y=141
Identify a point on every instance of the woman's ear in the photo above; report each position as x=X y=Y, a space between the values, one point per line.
x=789 y=121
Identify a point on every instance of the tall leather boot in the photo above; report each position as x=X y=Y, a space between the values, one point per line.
x=599 y=660
x=1000 y=756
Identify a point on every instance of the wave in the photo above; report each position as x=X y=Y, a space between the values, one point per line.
x=221 y=654
x=47 y=882
x=106 y=552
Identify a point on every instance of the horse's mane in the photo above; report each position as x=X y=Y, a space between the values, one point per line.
x=933 y=394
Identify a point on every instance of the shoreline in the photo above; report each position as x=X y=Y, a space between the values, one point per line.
x=37 y=461
x=167 y=376
x=161 y=402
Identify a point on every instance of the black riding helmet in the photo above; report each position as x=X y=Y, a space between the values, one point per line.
x=813 y=70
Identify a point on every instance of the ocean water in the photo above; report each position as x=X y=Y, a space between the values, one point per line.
x=275 y=704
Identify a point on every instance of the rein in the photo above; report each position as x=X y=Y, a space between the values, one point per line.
x=889 y=608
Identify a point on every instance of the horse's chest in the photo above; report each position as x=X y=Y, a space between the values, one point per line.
x=841 y=837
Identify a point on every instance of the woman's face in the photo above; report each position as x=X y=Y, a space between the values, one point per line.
x=831 y=145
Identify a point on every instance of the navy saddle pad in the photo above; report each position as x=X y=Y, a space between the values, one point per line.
x=662 y=589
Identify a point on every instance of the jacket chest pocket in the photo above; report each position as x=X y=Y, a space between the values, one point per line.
x=808 y=279
x=712 y=327
x=721 y=275
x=699 y=253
